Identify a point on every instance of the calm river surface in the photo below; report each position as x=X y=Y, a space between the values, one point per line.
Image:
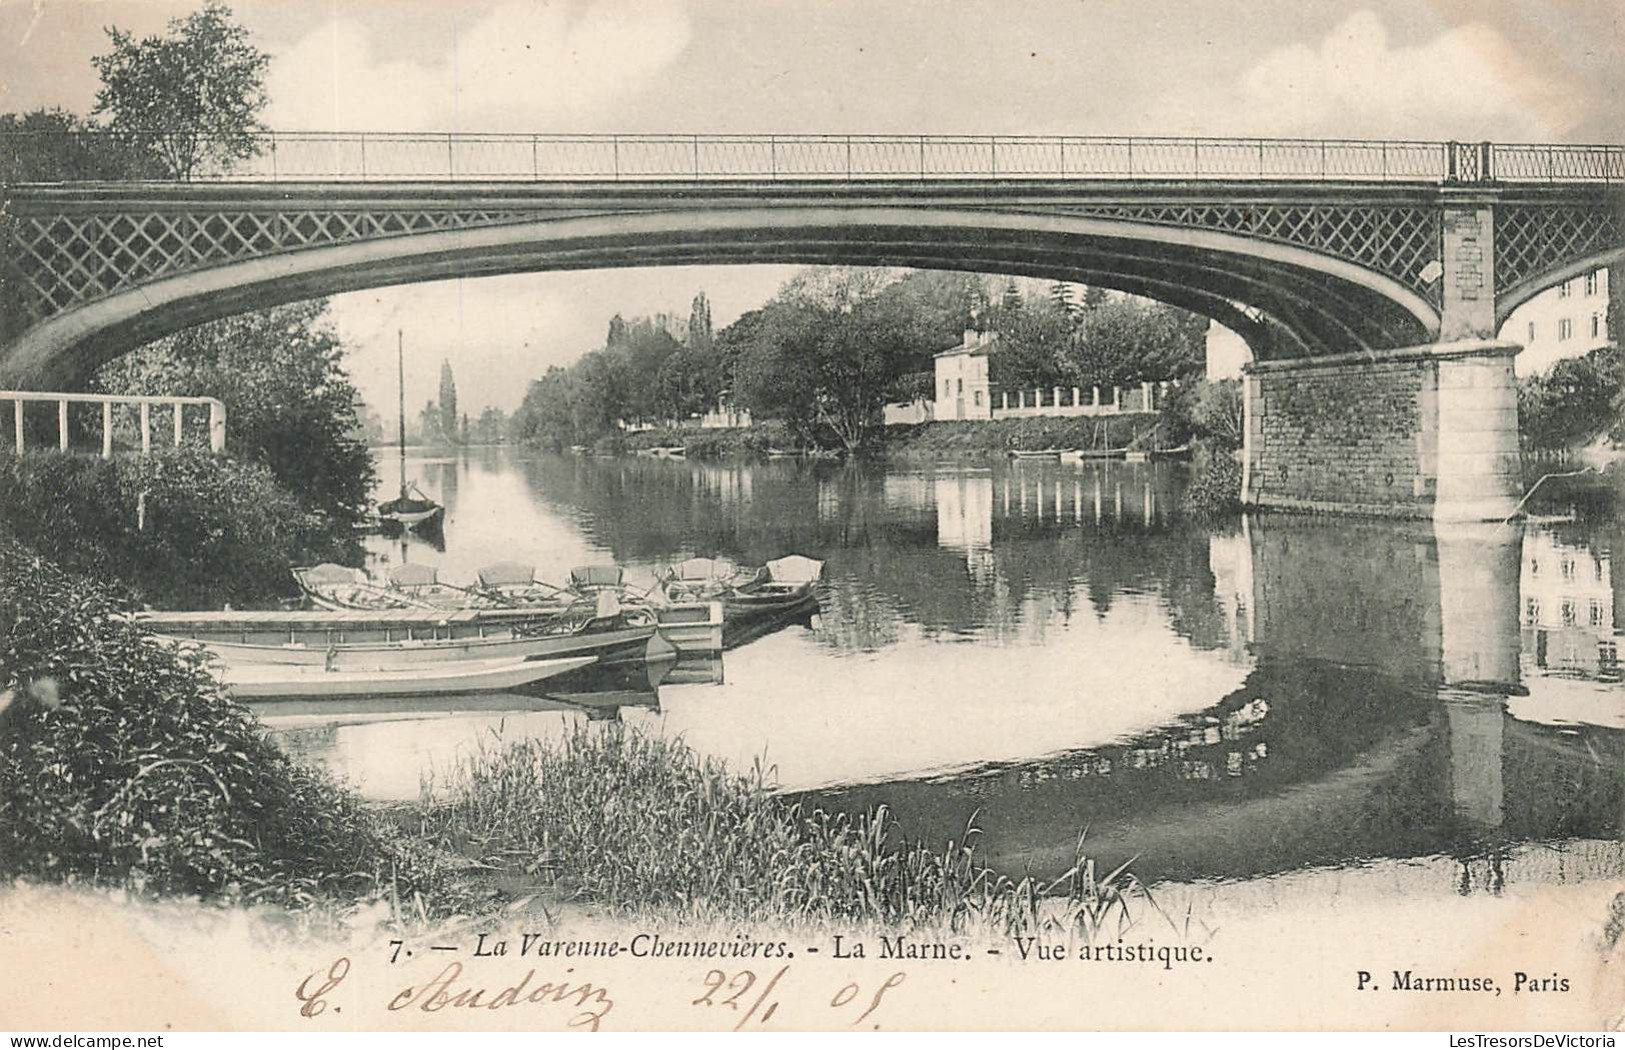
x=1044 y=648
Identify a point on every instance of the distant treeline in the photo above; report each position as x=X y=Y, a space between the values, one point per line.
x=836 y=344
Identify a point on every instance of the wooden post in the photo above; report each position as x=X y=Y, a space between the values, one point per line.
x=17 y=407
x=1057 y=397
x=146 y=427
x=179 y=431
x=62 y=425
x=217 y=426
x=107 y=429
x=1076 y=400
x=1097 y=396
x=1004 y=396
x=1117 y=399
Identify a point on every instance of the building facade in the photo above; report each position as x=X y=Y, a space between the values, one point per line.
x=961 y=374
x=1566 y=321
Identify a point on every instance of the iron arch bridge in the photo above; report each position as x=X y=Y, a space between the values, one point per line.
x=1315 y=252
x=1306 y=248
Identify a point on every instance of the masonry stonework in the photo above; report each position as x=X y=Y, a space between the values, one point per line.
x=1468 y=307
x=1426 y=432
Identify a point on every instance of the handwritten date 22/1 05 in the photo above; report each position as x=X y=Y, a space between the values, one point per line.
x=731 y=991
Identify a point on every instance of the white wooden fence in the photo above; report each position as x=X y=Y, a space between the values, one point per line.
x=144 y=404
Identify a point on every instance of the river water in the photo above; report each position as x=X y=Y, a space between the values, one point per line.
x=1044 y=649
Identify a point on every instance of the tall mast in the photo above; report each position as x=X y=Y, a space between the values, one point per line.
x=400 y=366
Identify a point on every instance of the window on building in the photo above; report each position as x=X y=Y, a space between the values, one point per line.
x=1571 y=615
x=978 y=399
x=1591 y=283
x=1563 y=290
x=1531 y=331
x=1534 y=567
x=1567 y=568
x=1565 y=328
x=961 y=385
x=1595 y=613
x=1531 y=611
x=1596 y=325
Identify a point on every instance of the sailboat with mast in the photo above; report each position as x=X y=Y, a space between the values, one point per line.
x=407 y=510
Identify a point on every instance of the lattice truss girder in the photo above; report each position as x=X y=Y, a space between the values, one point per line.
x=65 y=260
x=1398 y=241
x=1531 y=239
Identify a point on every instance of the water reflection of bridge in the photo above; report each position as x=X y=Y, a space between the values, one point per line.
x=1374 y=722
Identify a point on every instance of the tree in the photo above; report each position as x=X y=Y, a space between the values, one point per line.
x=1128 y=340
x=699 y=323
x=50 y=145
x=1032 y=348
x=1060 y=296
x=1574 y=401
x=833 y=350
x=190 y=98
x=448 y=403
x=290 y=404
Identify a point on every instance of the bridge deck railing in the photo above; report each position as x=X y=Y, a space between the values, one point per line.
x=409 y=156
x=143 y=404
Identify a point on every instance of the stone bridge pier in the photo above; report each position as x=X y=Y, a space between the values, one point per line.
x=1427 y=431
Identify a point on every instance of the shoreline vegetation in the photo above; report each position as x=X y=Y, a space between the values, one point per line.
x=124 y=764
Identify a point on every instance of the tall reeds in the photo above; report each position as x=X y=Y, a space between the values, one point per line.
x=642 y=824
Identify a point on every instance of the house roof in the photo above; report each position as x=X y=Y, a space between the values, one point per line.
x=978 y=348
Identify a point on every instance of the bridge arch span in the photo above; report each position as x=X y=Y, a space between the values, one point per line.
x=1300 y=302
x=1516 y=295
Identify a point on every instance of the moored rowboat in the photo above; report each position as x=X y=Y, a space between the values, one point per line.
x=260 y=681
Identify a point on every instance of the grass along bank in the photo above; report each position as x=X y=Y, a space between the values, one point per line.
x=645 y=827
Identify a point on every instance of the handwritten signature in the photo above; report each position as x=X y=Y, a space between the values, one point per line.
x=443 y=991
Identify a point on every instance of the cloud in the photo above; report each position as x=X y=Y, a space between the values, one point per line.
x=523 y=66
x=1467 y=82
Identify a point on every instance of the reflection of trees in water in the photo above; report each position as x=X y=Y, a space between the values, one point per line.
x=879 y=535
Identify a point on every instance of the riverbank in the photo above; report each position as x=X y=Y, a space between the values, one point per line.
x=179 y=528
x=128 y=766
x=942 y=439
x=970 y=439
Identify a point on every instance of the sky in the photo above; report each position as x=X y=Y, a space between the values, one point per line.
x=1508 y=70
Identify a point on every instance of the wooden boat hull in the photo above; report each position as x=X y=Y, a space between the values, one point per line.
x=769 y=600
x=410 y=519
x=1080 y=455
x=692 y=627
x=398 y=639
x=403 y=655
x=263 y=681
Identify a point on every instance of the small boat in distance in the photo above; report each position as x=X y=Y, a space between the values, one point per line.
x=1035 y=453
x=406 y=511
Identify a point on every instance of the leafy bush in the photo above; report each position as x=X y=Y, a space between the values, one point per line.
x=181 y=528
x=1574 y=401
x=1215 y=485
x=122 y=763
